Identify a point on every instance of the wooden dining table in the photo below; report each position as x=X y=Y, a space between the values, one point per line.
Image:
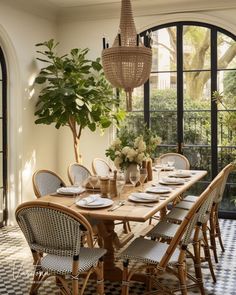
x=130 y=211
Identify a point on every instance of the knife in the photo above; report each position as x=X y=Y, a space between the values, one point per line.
x=116 y=207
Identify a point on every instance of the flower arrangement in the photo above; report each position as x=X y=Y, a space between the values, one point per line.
x=127 y=149
x=131 y=147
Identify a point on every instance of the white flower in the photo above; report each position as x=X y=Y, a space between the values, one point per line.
x=117 y=162
x=116 y=144
x=125 y=150
x=132 y=153
x=141 y=157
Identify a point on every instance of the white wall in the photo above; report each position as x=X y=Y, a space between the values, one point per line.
x=30 y=146
x=89 y=34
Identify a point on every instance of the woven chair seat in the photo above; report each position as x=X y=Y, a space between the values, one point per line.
x=191 y=199
x=176 y=215
x=63 y=265
x=184 y=205
x=167 y=231
x=148 y=251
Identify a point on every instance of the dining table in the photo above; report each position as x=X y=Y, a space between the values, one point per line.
x=129 y=211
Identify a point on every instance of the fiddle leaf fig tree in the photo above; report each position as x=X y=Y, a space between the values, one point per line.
x=74 y=93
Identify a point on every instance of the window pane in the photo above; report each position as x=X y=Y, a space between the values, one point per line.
x=226 y=52
x=196 y=48
x=197 y=91
x=227 y=128
x=197 y=128
x=164 y=49
x=164 y=123
x=227 y=88
x=163 y=91
x=134 y=120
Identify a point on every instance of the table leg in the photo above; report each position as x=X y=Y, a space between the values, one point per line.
x=109 y=236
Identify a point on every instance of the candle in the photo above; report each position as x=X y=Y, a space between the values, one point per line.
x=137 y=39
x=119 y=39
x=104 y=42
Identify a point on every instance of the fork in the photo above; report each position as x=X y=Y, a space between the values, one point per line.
x=121 y=203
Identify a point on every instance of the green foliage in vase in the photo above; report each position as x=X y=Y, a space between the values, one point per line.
x=74 y=92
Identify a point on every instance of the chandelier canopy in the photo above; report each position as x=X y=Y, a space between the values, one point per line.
x=127 y=64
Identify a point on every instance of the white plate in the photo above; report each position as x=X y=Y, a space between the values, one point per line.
x=149 y=198
x=180 y=174
x=158 y=190
x=171 y=181
x=70 y=190
x=98 y=203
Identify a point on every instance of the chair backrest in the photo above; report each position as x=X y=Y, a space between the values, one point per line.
x=100 y=167
x=46 y=182
x=181 y=162
x=226 y=171
x=188 y=224
x=77 y=173
x=52 y=228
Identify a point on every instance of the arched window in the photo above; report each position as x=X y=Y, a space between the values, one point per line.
x=192 y=60
x=3 y=140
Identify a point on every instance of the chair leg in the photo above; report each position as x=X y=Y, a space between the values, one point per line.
x=207 y=252
x=125 y=282
x=213 y=233
x=218 y=232
x=182 y=278
x=197 y=266
x=100 y=278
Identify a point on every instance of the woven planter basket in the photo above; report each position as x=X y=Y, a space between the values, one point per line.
x=127 y=64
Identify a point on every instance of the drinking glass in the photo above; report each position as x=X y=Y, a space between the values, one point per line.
x=93 y=180
x=171 y=163
x=120 y=182
x=143 y=176
x=134 y=177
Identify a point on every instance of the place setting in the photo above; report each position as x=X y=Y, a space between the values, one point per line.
x=94 y=201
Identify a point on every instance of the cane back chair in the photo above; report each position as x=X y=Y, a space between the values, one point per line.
x=46 y=182
x=156 y=257
x=55 y=231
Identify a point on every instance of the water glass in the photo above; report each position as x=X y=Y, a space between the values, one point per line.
x=93 y=180
x=143 y=176
x=120 y=183
x=134 y=177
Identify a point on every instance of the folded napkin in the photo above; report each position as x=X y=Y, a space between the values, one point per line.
x=172 y=180
x=90 y=199
x=144 y=196
x=70 y=190
x=181 y=173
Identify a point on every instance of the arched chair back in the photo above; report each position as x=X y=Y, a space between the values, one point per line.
x=77 y=173
x=46 y=182
x=100 y=167
x=180 y=161
x=55 y=231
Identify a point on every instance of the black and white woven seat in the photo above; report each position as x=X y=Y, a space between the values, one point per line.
x=46 y=182
x=53 y=233
x=77 y=174
x=156 y=257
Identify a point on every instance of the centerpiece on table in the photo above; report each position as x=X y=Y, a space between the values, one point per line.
x=127 y=151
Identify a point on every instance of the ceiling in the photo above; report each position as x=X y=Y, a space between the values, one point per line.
x=100 y=9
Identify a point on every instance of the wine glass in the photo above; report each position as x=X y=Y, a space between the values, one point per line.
x=143 y=176
x=120 y=182
x=134 y=177
x=171 y=163
x=93 y=180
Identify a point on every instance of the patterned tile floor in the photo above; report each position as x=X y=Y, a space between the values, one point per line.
x=16 y=267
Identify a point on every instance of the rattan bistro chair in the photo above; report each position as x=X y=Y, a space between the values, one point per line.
x=177 y=214
x=165 y=230
x=77 y=173
x=156 y=257
x=100 y=167
x=55 y=230
x=46 y=182
x=181 y=162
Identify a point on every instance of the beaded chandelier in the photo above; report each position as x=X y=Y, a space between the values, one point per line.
x=127 y=64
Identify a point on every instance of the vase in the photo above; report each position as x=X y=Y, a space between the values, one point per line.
x=131 y=168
